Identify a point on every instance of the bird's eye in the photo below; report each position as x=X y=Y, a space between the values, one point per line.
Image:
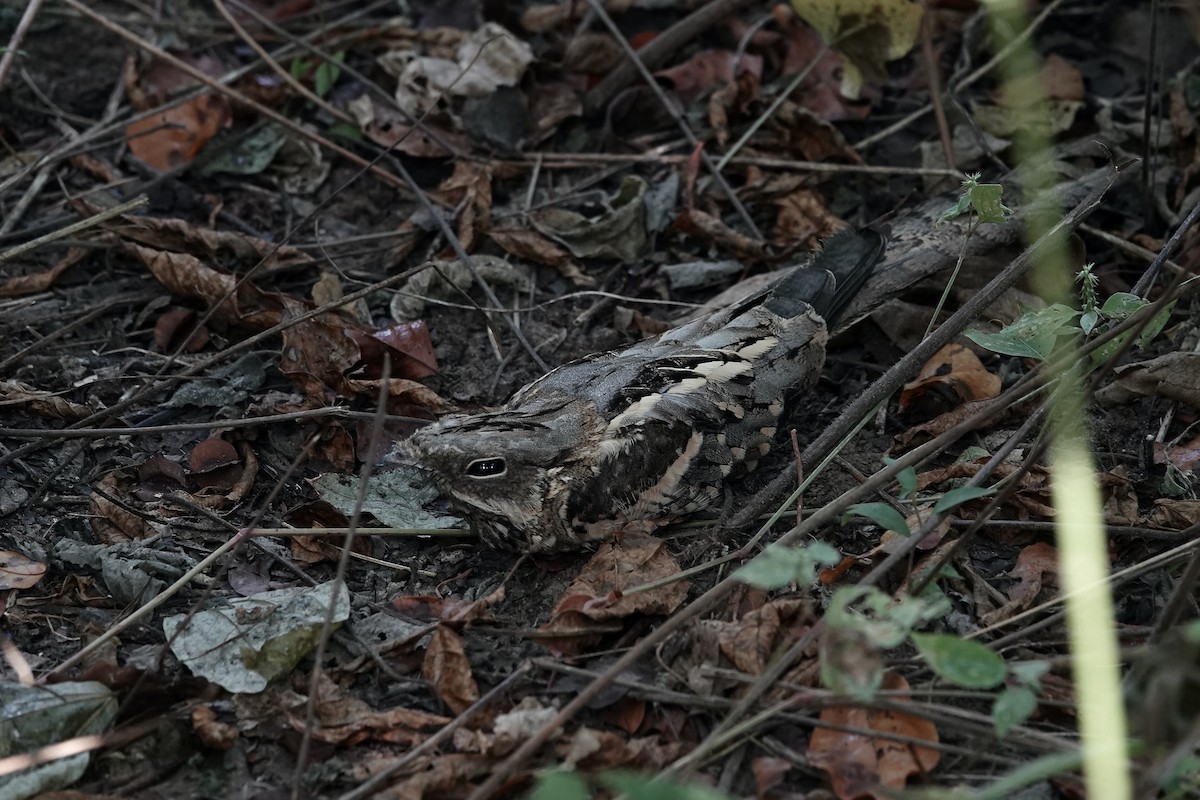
x=487 y=468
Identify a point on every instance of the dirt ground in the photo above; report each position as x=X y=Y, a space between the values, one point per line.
x=116 y=479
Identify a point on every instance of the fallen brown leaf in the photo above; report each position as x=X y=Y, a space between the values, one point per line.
x=952 y=376
x=597 y=595
x=42 y=280
x=448 y=669
x=19 y=571
x=1033 y=563
x=860 y=765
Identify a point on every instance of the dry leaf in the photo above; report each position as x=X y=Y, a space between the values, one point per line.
x=708 y=70
x=214 y=734
x=596 y=596
x=46 y=404
x=1033 y=563
x=858 y=764
x=33 y=283
x=19 y=571
x=954 y=375
x=447 y=668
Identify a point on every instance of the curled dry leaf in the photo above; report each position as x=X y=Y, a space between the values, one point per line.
x=860 y=765
x=41 y=280
x=326 y=548
x=529 y=245
x=410 y=340
x=46 y=404
x=1174 y=515
x=750 y=641
x=446 y=666
x=592 y=53
x=820 y=92
x=387 y=127
x=19 y=571
x=596 y=596
x=468 y=189
x=627 y=714
x=215 y=465
x=708 y=70
x=1033 y=564
x=712 y=230
x=213 y=733
x=768 y=773
x=1174 y=375
x=919 y=434
x=1184 y=456
x=545 y=17
x=157 y=476
x=226 y=475
x=216 y=246
x=176 y=326
x=593 y=749
x=866 y=34
x=405 y=397
x=445 y=609
x=803 y=221
x=341 y=718
x=212 y=454
x=173 y=136
x=551 y=104
x=111 y=521
x=317 y=353
x=954 y=375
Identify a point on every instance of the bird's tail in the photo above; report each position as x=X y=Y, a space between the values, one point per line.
x=833 y=278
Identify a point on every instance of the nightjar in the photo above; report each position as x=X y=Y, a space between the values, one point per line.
x=643 y=436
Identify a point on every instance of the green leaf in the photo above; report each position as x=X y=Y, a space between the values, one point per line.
x=956 y=210
x=777 y=566
x=649 y=787
x=865 y=33
x=883 y=620
x=298 y=67
x=985 y=200
x=345 y=130
x=1012 y=707
x=249 y=155
x=1182 y=780
x=559 y=784
x=963 y=494
x=907 y=478
x=1088 y=321
x=1032 y=335
x=327 y=74
x=971 y=454
x=1155 y=325
x=1122 y=305
x=964 y=199
x=961 y=661
x=881 y=514
x=1029 y=673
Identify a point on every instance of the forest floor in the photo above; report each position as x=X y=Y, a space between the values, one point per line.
x=217 y=314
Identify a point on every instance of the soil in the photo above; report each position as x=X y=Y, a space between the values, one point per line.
x=89 y=339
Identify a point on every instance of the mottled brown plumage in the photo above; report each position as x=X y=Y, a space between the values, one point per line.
x=646 y=435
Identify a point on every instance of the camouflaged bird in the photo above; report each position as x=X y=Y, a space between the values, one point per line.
x=643 y=436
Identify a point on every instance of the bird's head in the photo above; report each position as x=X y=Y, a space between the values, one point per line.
x=504 y=472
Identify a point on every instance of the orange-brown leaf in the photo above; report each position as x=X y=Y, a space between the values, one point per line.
x=447 y=668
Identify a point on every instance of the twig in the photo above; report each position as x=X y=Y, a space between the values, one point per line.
x=376 y=782
x=73 y=228
x=655 y=53
x=14 y=43
x=671 y=108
